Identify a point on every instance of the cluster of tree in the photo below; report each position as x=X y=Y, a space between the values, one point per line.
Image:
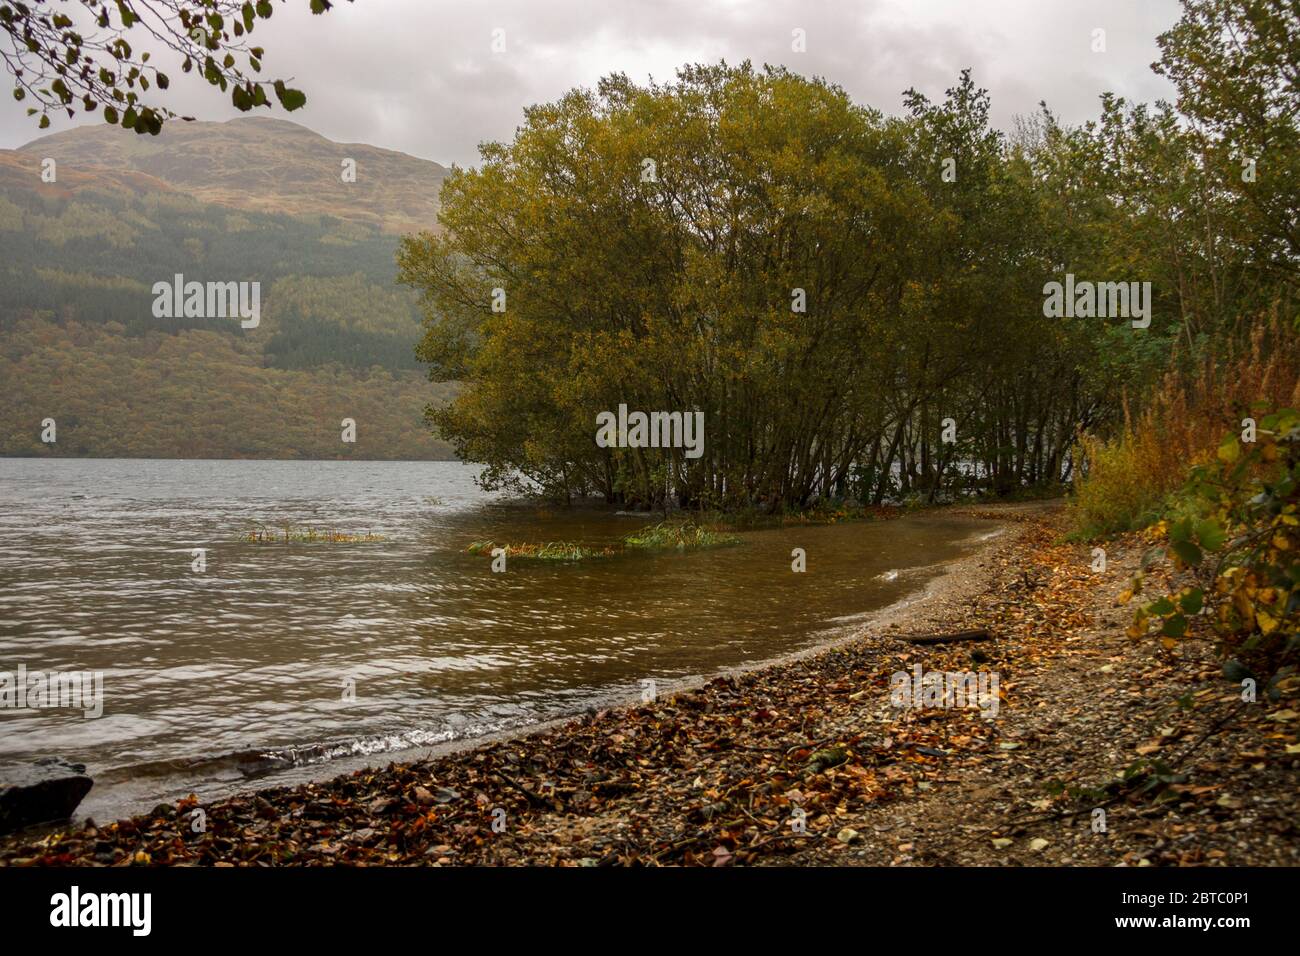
x=855 y=301
x=196 y=394
x=80 y=343
x=348 y=320
x=95 y=256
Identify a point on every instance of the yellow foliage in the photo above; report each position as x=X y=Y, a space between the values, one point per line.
x=1123 y=483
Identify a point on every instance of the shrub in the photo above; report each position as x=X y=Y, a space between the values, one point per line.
x=1126 y=483
x=1237 y=528
x=1122 y=490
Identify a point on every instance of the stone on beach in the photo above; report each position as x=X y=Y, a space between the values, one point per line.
x=44 y=791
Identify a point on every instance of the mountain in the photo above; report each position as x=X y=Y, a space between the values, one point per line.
x=263 y=165
x=82 y=340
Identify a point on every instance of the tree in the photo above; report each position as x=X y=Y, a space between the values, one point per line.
x=656 y=247
x=77 y=54
x=1236 y=66
x=752 y=245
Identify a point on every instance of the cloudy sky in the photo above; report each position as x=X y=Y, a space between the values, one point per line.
x=421 y=76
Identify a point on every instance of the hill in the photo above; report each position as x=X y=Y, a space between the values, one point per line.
x=79 y=256
x=260 y=164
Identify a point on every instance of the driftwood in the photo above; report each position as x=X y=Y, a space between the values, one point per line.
x=953 y=638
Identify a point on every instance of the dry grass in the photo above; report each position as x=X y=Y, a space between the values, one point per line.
x=289 y=535
x=1127 y=480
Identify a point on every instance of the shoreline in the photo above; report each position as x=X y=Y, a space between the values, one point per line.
x=938 y=586
x=933 y=589
x=634 y=783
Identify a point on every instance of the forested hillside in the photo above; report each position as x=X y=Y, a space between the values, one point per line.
x=80 y=341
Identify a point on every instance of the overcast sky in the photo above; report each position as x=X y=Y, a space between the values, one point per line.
x=420 y=76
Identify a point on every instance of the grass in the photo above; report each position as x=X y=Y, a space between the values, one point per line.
x=1127 y=486
x=677 y=535
x=665 y=536
x=290 y=535
x=549 y=551
x=1127 y=481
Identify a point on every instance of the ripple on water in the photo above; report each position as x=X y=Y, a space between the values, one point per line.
x=214 y=678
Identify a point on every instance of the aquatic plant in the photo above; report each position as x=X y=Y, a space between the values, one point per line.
x=681 y=536
x=666 y=535
x=287 y=534
x=549 y=551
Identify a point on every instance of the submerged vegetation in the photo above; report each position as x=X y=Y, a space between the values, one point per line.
x=665 y=536
x=290 y=535
x=548 y=551
x=668 y=535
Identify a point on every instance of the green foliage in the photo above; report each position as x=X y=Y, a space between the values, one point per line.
x=680 y=536
x=665 y=536
x=196 y=393
x=351 y=320
x=122 y=246
x=63 y=67
x=1229 y=161
x=923 y=366
x=1237 y=529
x=1234 y=64
x=674 y=292
x=79 y=342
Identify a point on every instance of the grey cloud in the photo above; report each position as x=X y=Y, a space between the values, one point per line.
x=420 y=76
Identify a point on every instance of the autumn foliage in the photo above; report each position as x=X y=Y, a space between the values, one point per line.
x=1125 y=483
x=1237 y=529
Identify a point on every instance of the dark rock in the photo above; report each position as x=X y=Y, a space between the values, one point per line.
x=41 y=792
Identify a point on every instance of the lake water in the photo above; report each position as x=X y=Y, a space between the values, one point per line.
x=240 y=674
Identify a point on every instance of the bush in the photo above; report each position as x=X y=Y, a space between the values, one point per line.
x=1238 y=530
x=1126 y=483
x=1121 y=492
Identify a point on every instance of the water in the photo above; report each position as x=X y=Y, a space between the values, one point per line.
x=236 y=676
